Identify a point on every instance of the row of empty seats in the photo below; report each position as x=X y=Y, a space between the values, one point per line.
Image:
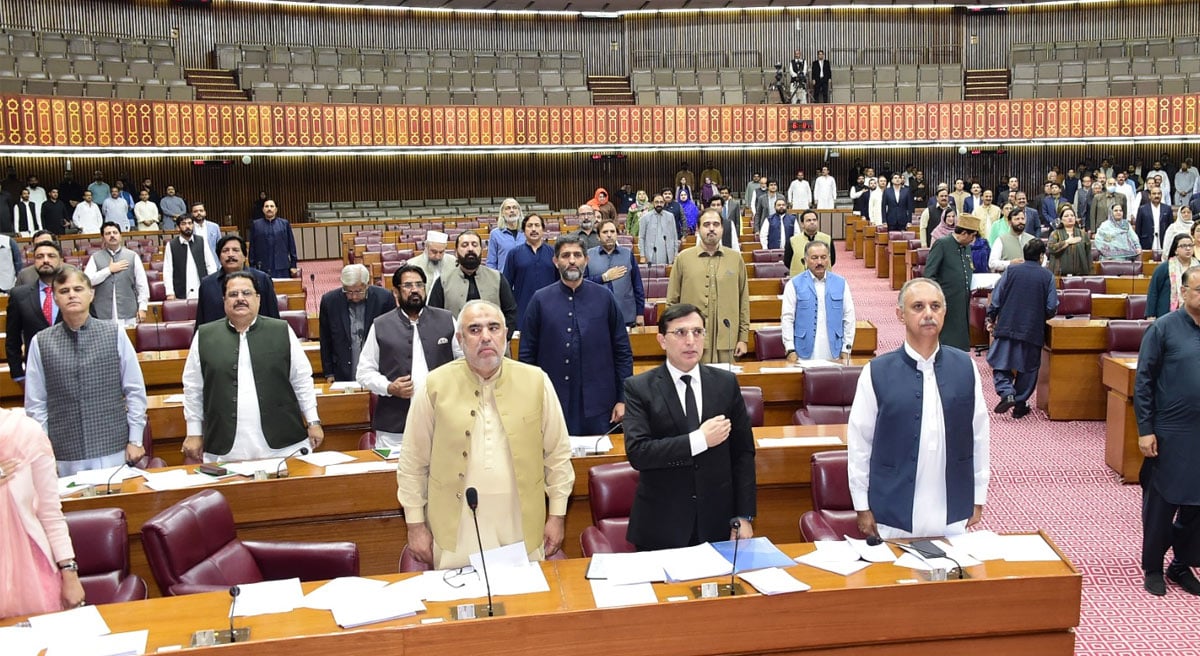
x=1174 y=84
x=125 y=88
x=48 y=44
x=1183 y=44
x=231 y=56
x=1107 y=77
x=414 y=78
x=66 y=66
x=429 y=207
x=369 y=94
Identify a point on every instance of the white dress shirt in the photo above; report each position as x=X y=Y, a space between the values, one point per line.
x=799 y=194
x=696 y=437
x=87 y=218
x=875 y=207
x=251 y=443
x=98 y=275
x=929 y=503
x=787 y=321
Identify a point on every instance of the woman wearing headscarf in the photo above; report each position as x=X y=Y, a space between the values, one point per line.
x=601 y=204
x=708 y=191
x=1162 y=297
x=691 y=213
x=1182 y=225
x=641 y=203
x=37 y=562
x=1116 y=239
x=944 y=227
x=1069 y=248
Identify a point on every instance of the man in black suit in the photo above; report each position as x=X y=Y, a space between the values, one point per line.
x=31 y=308
x=694 y=452
x=897 y=204
x=346 y=317
x=821 y=76
x=231 y=257
x=1150 y=232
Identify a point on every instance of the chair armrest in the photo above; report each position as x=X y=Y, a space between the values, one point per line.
x=593 y=541
x=813 y=527
x=307 y=561
x=195 y=588
x=132 y=588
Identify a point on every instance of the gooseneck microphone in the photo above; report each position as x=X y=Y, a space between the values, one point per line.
x=596 y=446
x=234 y=591
x=302 y=451
x=108 y=486
x=922 y=549
x=473 y=504
x=735 y=525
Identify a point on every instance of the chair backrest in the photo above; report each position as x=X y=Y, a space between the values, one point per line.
x=611 y=489
x=1096 y=284
x=770 y=270
x=158 y=290
x=833 y=510
x=1075 y=303
x=768 y=343
x=1125 y=336
x=655 y=287
x=179 y=309
x=101 y=537
x=281 y=301
x=828 y=395
x=298 y=320
x=1135 y=306
x=753 y=397
x=1120 y=268
x=409 y=563
x=195 y=542
x=768 y=255
x=172 y=336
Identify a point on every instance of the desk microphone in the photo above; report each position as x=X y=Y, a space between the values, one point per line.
x=923 y=549
x=735 y=525
x=234 y=591
x=596 y=446
x=727 y=327
x=302 y=451
x=473 y=504
x=108 y=486
x=312 y=283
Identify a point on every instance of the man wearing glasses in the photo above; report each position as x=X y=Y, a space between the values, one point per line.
x=247 y=384
x=401 y=348
x=231 y=256
x=949 y=263
x=688 y=434
x=346 y=316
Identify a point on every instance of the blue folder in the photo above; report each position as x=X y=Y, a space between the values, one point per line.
x=755 y=553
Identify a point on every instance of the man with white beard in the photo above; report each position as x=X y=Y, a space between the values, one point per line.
x=507 y=234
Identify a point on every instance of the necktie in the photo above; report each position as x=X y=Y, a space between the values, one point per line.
x=48 y=307
x=472 y=289
x=689 y=401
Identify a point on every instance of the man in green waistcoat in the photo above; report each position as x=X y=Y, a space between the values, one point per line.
x=247 y=384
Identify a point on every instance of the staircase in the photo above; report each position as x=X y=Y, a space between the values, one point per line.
x=610 y=90
x=986 y=84
x=215 y=84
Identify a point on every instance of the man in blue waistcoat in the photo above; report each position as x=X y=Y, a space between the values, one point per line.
x=574 y=330
x=1021 y=303
x=817 y=316
x=918 y=430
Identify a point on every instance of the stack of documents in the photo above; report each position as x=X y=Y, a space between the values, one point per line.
x=986 y=545
x=326 y=458
x=359 y=468
x=837 y=556
x=175 y=479
x=269 y=597
x=773 y=580
x=76 y=632
x=357 y=601
x=752 y=554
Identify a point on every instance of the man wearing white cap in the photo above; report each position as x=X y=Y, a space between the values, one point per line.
x=434 y=260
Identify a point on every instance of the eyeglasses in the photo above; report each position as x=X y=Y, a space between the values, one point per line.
x=453 y=577
x=412 y=285
x=243 y=293
x=354 y=292
x=684 y=333
x=963 y=231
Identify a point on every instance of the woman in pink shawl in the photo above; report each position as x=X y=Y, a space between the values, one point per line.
x=946 y=227
x=35 y=546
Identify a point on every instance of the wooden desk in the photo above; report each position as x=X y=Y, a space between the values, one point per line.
x=1069 y=385
x=852 y=233
x=883 y=263
x=900 y=270
x=1003 y=609
x=1121 y=452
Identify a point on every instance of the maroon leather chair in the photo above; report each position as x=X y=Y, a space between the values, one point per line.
x=828 y=395
x=918 y=269
x=833 y=513
x=753 y=398
x=409 y=562
x=1075 y=303
x=770 y=270
x=655 y=288
x=179 y=309
x=1120 y=268
x=1135 y=306
x=366 y=441
x=158 y=289
x=298 y=319
x=650 y=313
x=767 y=255
x=977 y=313
x=193 y=547
x=1094 y=284
x=768 y=343
x=611 y=489
x=101 y=539
x=148 y=460
x=1125 y=337
x=281 y=301
x=169 y=336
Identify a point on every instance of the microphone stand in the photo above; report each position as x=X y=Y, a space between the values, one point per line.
x=474 y=611
x=211 y=637
x=935 y=573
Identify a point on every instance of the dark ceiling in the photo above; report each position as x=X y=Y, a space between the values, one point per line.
x=639 y=5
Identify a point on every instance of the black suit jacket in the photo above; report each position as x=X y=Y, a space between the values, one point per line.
x=25 y=319
x=335 y=328
x=679 y=495
x=1145 y=225
x=210 y=303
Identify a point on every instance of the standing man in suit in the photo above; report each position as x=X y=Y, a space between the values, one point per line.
x=765 y=204
x=731 y=210
x=272 y=244
x=897 y=204
x=346 y=316
x=688 y=434
x=730 y=238
x=821 y=77
x=1153 y=218
x=231 y=253
x=31 y=308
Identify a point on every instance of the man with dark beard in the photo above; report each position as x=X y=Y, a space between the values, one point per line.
x=402 y=347
x=576 y=326
x=186 y=261
x=471 y=281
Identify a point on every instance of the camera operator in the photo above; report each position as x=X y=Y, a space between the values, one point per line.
x=798 y=72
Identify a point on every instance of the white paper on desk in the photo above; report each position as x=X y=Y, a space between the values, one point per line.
x=382 y=605
x=627 y=568
x=817 y=440
x=341 y=590
x=359 y=468
x=131 y=643
x=817 y=364
x=773 y=580
x=984 y=545
x=269 y=597
x=591 y=443
x=913 y=561
x=1027 y=548
x=173 y=398
x=22 y=640
x=103 y=476
x=880 y=553
x=611 y=595
x=518 y=580
x=82 y=622
x=778 y=370
x=452 y=585
x=957 y=554
x=732 y=368
x=842 y=567
x=248 y=467
x=176 y=479
x=342 y=386
x=835 y=550
x=689 y=563
x=511 y=555
x=326 y=458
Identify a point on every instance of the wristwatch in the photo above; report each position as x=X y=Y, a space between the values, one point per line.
x=314 y=423
x=70 y=565
x=790 y=351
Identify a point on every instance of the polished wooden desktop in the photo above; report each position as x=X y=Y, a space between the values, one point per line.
x=1121 y=452
x=1002 y=609
x=1069 y=385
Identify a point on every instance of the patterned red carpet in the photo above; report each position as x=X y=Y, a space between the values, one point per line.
x=1045 y=475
